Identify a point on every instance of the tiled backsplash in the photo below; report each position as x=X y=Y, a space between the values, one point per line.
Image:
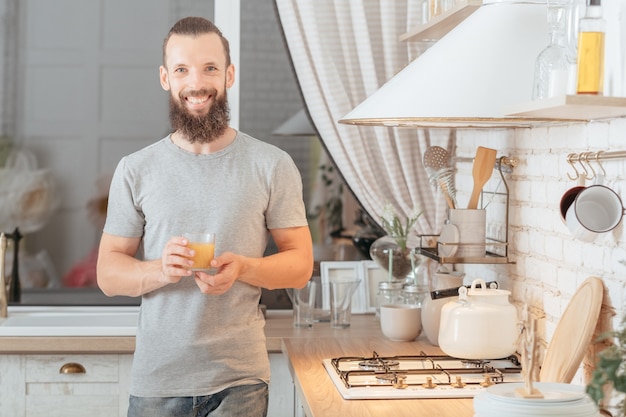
x=549 y=263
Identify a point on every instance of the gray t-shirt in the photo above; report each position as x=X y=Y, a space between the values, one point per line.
x=189 y=343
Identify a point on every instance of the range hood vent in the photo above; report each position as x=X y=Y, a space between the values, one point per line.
x=470 y=77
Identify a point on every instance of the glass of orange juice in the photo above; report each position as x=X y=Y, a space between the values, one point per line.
x=204 y=246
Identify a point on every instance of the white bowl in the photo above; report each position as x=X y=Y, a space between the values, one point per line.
x=401 y=322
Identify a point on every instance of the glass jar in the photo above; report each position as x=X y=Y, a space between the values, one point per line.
x=413 y=295
x=389 y=292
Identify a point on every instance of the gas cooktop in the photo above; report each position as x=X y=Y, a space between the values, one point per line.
x=419 y=376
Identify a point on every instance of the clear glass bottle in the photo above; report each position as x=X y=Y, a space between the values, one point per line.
x=590 y=63
x=552 y=65
x=389 y=292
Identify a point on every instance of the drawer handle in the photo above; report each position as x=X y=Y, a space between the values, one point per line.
x=72 y=368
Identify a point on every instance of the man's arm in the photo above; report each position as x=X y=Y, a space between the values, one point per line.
x=291 y=267
x=120 y=273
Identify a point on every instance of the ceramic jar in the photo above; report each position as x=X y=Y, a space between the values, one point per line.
x=431 y=309
x=481 y=324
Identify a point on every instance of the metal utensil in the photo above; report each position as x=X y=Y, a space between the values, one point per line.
x=482 y=169
x=437 y=164
x=436 y=158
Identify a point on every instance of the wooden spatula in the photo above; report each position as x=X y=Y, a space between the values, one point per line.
x=482 y=169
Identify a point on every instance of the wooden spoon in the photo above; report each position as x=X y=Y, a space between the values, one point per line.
x=481 y=171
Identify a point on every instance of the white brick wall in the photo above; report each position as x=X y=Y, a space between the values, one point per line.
x=550 y=263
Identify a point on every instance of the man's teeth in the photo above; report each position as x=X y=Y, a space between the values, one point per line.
x=196 y=100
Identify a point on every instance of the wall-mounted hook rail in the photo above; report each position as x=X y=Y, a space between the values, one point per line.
x=584 y=161
x=504 y=163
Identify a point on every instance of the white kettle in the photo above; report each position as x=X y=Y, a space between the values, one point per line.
x=482 y=324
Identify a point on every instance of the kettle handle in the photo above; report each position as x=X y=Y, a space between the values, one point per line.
x=463 y=290
x=480 y=281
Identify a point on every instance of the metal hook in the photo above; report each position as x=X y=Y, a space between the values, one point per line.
x=585 y=156
x=570 y=160
x=582 y=165
x=600 y=163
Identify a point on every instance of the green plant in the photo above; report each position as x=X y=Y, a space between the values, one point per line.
x=611 y=369
x=332 y=209
x=395 y=228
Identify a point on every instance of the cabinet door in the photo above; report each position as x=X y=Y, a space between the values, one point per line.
x=282 y=393
x=12 y=385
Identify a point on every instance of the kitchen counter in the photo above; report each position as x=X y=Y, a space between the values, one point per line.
x=278 y=327
x=320 y=398
x=305 y=348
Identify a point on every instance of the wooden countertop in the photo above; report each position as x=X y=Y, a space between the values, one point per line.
x=320 y=398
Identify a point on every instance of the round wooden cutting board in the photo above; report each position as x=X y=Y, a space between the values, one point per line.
x=573 y=333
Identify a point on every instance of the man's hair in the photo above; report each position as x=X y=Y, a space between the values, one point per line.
x=195 y=26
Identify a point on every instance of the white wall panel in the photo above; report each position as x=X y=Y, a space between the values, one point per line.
x=59 y=24
x=133 y=94
x=133 y=25
x=55 y=100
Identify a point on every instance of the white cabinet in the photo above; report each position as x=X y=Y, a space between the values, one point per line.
x=65 y=385
x=33 y=385
x=282 y=391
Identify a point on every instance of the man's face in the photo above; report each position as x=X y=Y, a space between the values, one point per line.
x=197 y=77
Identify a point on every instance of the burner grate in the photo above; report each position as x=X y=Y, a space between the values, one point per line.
x=426 y=372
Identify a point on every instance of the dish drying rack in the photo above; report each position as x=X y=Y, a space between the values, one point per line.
x=496 y=249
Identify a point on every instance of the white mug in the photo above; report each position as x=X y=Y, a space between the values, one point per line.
x=596 y=209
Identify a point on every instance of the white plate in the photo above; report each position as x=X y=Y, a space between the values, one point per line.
x=450 y=236
x=552 y=393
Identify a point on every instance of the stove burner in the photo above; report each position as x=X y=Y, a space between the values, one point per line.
x=378 y=364
x=474 y=363
x=392 y=377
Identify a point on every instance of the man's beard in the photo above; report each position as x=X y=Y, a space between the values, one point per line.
x=203 y=128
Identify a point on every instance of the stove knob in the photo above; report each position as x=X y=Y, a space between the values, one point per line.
x=429 y=383
x=400 y=382
x=487 y=382
x=458 y=383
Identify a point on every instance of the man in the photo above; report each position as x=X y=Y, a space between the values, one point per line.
x=200 y=346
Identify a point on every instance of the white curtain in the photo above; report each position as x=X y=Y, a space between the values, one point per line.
x=343 y=51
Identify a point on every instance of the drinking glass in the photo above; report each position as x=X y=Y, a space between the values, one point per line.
x=204 y=246
x=341 y=302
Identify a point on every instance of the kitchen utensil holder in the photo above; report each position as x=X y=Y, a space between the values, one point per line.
x=496 y=250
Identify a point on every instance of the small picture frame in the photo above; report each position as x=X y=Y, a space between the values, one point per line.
x=343 y=271
x=372 y=275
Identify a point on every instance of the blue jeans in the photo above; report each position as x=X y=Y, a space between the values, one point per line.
x=241 y=401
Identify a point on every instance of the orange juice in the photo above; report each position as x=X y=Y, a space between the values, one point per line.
x=204 y=255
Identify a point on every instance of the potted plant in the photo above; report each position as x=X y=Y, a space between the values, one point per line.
x=393 y=251
x=610 y=371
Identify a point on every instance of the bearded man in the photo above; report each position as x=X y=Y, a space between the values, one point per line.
x=200 y=346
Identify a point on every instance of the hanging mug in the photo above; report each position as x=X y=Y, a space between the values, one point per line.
x=596 y=209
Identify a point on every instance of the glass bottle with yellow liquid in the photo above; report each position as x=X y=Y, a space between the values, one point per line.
x=590 y=63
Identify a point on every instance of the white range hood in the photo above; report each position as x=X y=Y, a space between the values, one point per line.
x=470 y=77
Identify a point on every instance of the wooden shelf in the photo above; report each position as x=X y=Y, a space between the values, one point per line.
x=572 y=108
x=439 y=26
